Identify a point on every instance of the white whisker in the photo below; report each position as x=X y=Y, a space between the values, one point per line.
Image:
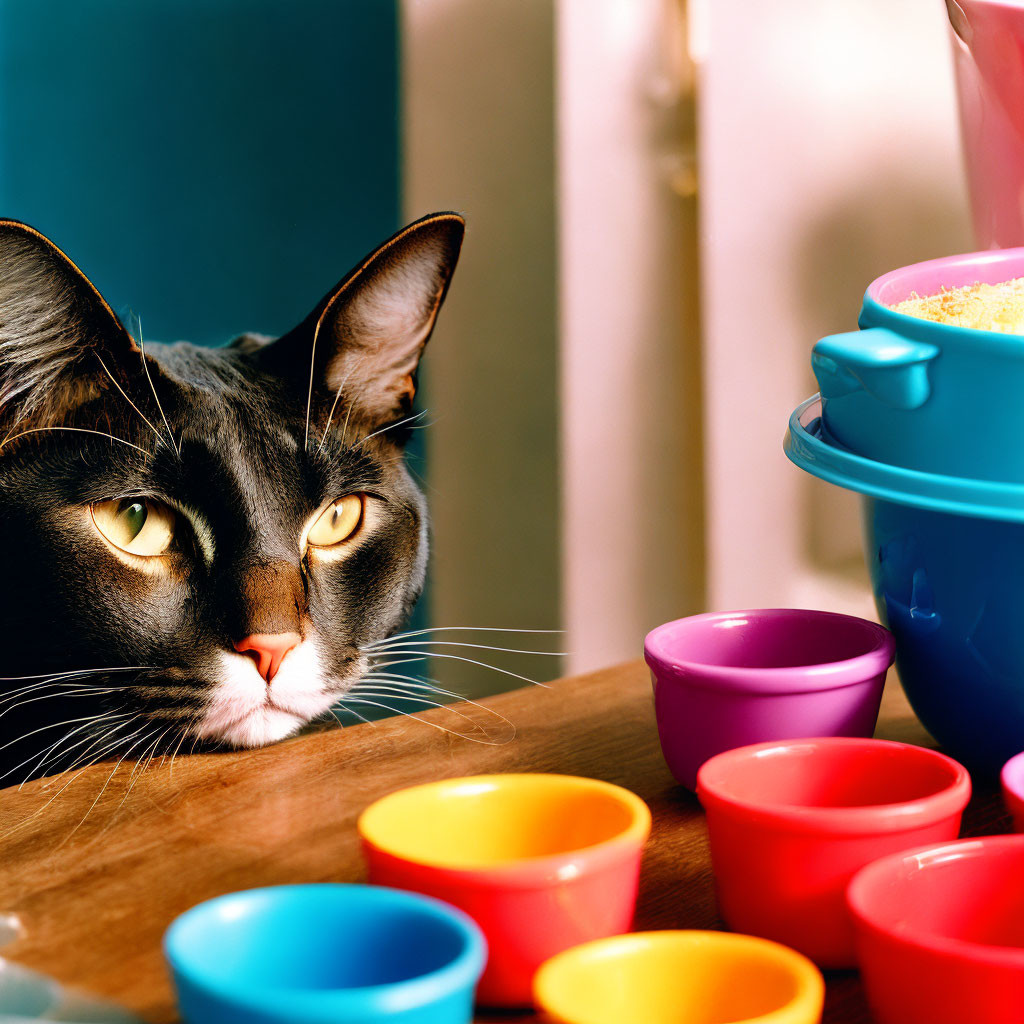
x=74 y=430
x=433 y=725
x=470 y=629
x=152 y=387
x=481 y=664
x=159 y=436
x=43 y=728
x=399 y=645
x=391 y=426
x=64 y=693
x=334 y=406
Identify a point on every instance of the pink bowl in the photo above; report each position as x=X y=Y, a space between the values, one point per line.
x=1012 y=778
x=729 y=679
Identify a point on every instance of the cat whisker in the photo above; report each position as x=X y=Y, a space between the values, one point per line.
x=399 y=645
x=391 y=664
x=107 y=740
x=152 y=387
x=145 y=761
x=334 y=405
x=470 y=629
x=27 y=821
x=433 y=725
x=43 y=728
x=145 y=418
x=351 y=711
x=391 y=426
x=90 y=692
x=76 y=430
x=76 y=672
x=110 y=778
x=170 y=767
x=481 y=664
x=404 y=691
x=94 y=720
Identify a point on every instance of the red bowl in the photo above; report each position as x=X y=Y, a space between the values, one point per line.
x=540 y=862
x=940 y=933
x=1012 y=778
x=790 y=823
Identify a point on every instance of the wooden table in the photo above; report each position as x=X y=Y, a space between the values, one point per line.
x=94 y=898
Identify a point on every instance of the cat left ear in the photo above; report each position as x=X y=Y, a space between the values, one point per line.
x=366 y=336
x=53 y=325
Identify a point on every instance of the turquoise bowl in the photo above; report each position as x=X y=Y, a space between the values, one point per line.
x=325 y=954
x=920 y=395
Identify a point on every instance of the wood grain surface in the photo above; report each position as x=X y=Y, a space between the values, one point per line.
x=96 y=874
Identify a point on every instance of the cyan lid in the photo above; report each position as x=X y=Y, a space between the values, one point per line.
x=805 y=445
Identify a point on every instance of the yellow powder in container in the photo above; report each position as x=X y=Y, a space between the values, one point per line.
x=983 y=307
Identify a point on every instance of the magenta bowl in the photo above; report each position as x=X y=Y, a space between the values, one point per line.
x=728 y=679
x=1012 y=779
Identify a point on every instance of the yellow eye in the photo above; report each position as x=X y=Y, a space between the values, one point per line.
x=139 y=526
x=339 y=522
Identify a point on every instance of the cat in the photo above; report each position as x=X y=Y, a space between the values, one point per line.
x=200 y=543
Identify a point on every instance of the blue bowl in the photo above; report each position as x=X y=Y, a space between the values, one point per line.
x=946 y=557
x=324 y=954
x=927 y=396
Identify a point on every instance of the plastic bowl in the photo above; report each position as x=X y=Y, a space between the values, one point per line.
x=540 y=862
x=673 y=976
x=922 y=395
x=729 y=679
x=940 y=933
x=946 y=556
x=1012 y=779
x=324 y=954
x=790 y=823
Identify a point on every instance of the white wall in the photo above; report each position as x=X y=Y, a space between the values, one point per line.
x=632 y=553
x=828 y=154
x=479 y=138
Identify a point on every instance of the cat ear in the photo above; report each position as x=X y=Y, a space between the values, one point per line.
x=366 y=336
x=53 y=324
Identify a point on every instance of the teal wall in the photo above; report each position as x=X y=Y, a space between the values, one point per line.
x=213 y=165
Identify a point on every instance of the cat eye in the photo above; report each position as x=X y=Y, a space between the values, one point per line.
x=339 y=521
x=140 y=526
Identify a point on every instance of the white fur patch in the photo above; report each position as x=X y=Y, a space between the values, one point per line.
x=245 y=711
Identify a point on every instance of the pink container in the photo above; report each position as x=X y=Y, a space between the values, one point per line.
x=728 y=679
x=1012 y=778
x=988 y=42
x=790 y=823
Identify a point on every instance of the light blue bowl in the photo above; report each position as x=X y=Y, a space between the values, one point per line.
x=926 y=396
x=325 y=954
x=946 y=557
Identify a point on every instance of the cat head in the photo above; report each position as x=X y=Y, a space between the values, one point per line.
x=211 y=537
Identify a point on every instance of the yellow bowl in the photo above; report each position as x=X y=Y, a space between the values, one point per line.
x=675 y=976
x=496 y=821
x=540 y=862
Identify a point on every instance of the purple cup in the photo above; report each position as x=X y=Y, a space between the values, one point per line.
x=1012 y=779
x=728 y=679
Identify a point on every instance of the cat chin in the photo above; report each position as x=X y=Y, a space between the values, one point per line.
x=244 y=712
x=260 y=727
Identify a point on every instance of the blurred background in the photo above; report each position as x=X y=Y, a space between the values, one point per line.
x=668 y=202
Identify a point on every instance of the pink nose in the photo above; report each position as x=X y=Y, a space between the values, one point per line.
x=268 y=650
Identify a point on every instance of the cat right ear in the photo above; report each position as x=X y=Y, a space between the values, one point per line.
x=53 y=326
x=365 y=337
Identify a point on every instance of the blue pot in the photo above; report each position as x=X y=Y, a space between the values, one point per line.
x=946 y=557
x=920 y=395
x=325 y=954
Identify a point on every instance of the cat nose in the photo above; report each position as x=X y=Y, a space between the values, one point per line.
x=268 y=650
